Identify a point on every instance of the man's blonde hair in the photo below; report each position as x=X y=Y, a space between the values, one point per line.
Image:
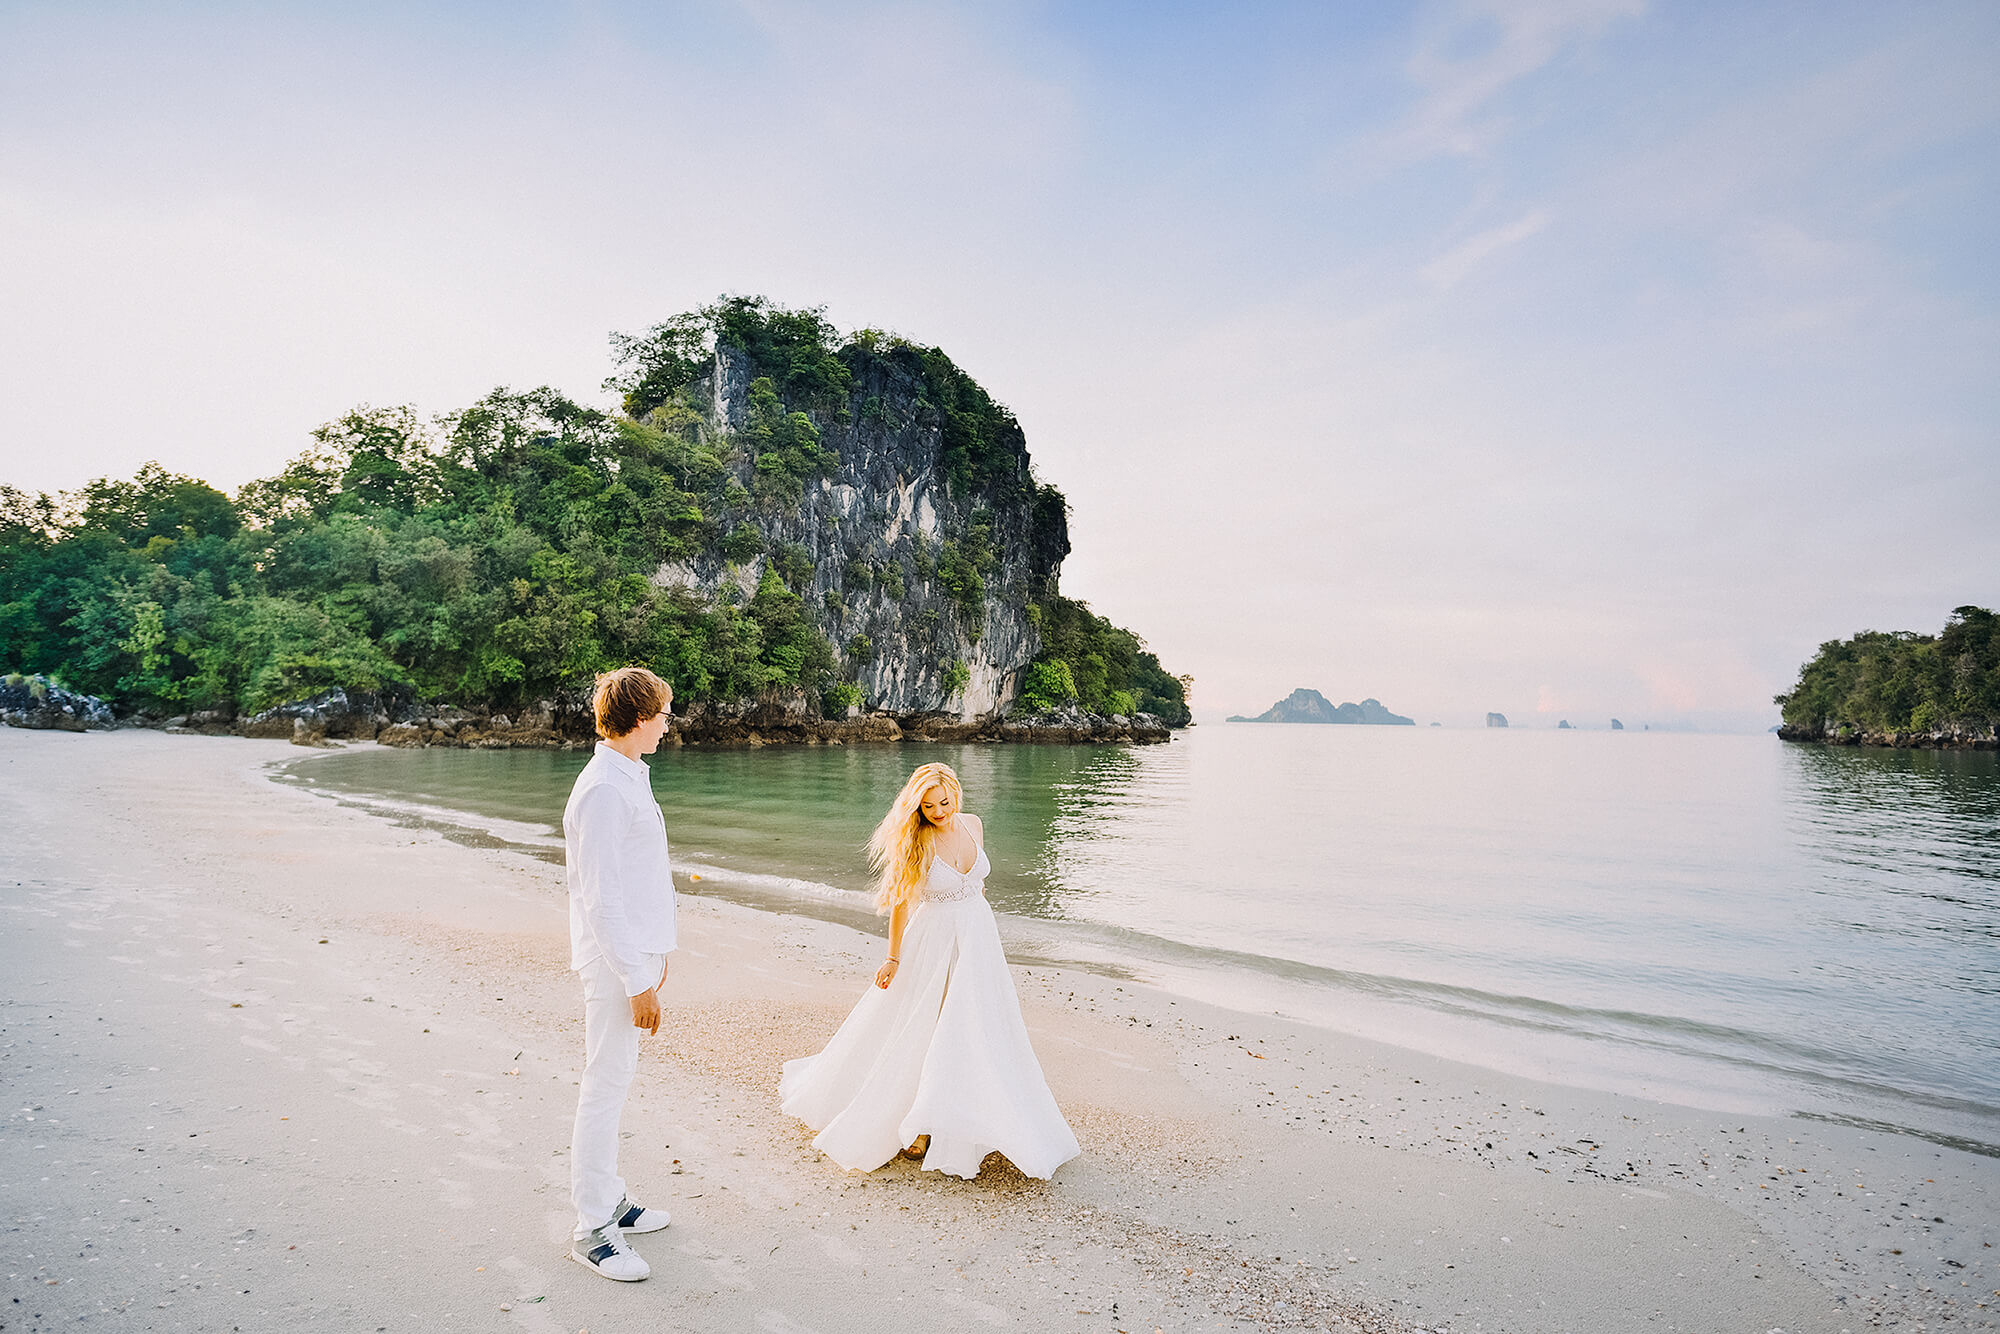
x=627 y=697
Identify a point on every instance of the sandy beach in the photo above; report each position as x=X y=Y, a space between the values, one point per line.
x=271 y=1062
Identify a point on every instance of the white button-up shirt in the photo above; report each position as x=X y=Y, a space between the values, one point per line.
x=621 y=890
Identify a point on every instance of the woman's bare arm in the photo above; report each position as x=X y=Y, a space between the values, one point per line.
x=899 y=917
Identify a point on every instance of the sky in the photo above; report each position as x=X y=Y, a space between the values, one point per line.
x=1566 y=358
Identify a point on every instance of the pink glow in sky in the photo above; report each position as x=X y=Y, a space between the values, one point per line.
x=1607 y=356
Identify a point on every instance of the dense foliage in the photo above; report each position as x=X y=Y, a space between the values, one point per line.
x=1088 y=660
x=499 y=558
x=503 y=553
x=1903 y=682
x=805 y=363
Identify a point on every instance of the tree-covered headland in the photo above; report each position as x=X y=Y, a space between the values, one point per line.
x=507 y=552
x=1902 y=688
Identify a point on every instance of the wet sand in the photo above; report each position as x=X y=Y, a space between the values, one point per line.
x=272 y=1061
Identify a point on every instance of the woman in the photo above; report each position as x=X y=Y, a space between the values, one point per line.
x=934 y=1056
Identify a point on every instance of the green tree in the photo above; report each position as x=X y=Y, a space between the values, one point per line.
x=1901 y=681
x=785 y=446
x=793 y=652
x=1105 y=667
x=1048 y=686
x=156 y=503
x=655 y=365
x=147 y=645
x=791 y=348
x=387 y=460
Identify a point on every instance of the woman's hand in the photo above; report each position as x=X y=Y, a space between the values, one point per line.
x=885 y=974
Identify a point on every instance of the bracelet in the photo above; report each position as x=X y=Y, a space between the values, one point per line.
x=894 y=959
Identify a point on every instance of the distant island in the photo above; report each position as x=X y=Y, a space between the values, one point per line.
x=1899 y=688
x=1309 y=706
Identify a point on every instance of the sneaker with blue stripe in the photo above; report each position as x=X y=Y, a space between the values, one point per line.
x=604 y=1250
x=632 y=1217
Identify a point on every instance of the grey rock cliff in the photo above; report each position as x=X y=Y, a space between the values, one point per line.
x=873 y=529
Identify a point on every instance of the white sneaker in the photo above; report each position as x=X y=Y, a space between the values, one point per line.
x=632 y=1217
x=605 y=1251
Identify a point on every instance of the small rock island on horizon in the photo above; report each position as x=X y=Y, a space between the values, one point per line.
x=1309 y=706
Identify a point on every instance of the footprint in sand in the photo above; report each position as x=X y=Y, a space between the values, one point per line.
x=727 y=1269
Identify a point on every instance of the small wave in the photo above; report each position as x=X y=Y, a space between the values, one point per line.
x=540 y=838
x=1769 y=1058
x=1981 y=1147
x=775 y=884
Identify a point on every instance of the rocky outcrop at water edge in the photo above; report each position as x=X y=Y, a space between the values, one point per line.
x=1948 y=736
x=780 y=717
x=39 y=704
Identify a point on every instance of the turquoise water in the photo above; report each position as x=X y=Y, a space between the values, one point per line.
x=1721 y=920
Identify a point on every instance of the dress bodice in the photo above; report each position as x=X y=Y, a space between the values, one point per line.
x=943 y=883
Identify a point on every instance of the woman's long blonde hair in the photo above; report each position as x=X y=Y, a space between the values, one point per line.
x=902 y=846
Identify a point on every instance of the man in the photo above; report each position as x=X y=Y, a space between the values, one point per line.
x=621 y=928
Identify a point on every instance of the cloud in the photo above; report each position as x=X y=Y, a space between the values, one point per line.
x=1472 y=53
x=1448 y=269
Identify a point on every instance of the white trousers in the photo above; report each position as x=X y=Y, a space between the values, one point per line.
x=610 y=1059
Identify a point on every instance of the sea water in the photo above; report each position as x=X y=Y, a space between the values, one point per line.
x=1726 y=921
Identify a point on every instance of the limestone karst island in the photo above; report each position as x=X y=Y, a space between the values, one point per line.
x=814 y=537
x=1309 y=706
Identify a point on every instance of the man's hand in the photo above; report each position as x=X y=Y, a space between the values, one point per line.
x=646 y=1010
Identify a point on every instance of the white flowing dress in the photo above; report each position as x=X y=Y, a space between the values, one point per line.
x=941 y=1052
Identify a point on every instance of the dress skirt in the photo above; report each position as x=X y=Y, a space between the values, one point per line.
x=942 y=1051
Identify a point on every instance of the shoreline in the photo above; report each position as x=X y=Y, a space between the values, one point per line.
x=399 y=719
x=396 y=717
x=1615 y=1051
x=1239 y=1171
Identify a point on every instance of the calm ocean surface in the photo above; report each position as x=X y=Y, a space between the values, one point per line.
x=1727 y=921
